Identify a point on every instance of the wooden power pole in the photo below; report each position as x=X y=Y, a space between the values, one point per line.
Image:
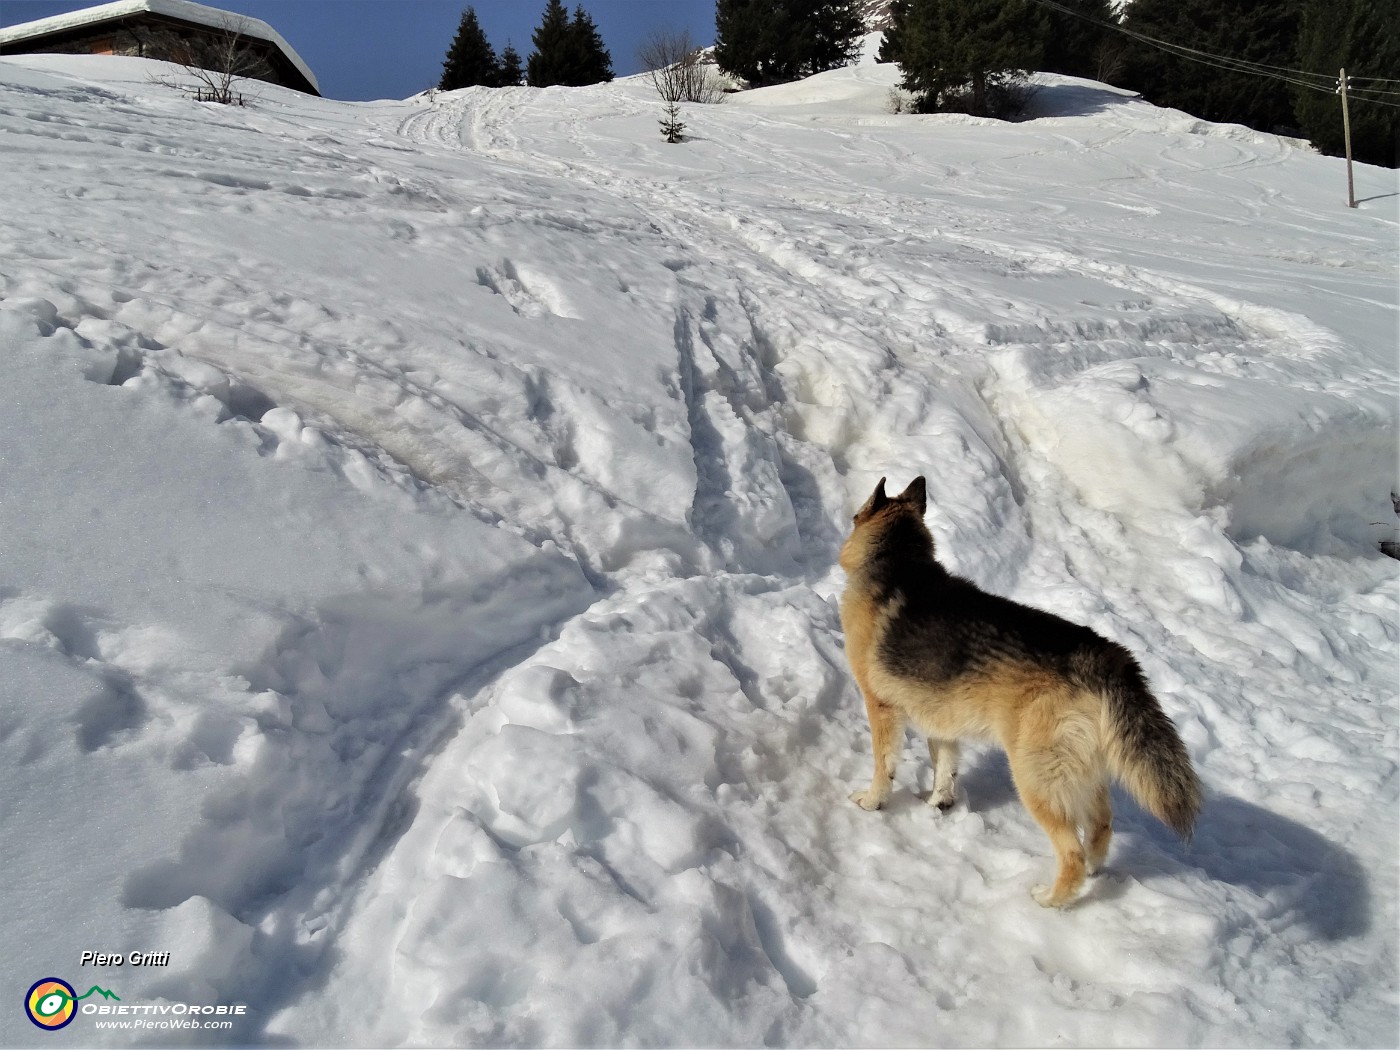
x=1346 y=134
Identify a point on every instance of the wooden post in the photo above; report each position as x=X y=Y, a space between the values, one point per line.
x=1346 y=134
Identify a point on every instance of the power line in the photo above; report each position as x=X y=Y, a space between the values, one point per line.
x=1182 y=49
x=1323 y=82
x=1351 y=94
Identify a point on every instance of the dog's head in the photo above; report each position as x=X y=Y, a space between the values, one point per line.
x=882 y=514
x=913 y=499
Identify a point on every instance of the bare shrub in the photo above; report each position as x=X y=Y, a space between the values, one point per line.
x=1018 y=96
x=1110 y=60
x=1008 y=97
x=677 y=68
x=217 y=60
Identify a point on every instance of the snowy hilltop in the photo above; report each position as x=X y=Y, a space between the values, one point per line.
x=418 y=582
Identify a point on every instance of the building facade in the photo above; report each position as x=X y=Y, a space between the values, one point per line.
x=173 y=30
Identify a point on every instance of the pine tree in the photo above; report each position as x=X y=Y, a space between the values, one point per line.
x=594 y=63
x=551 y=39
x=512 y=71
x=826 y=35
x=748 y=39
x=964 y=55
x=470 y=60
x=892 y=46
x=1075 y=42
x=1263 y=31
x=671 y=125
x=1362 y=37
x=774 y=41
x=567 y=52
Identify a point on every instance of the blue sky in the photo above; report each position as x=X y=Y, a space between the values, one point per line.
x=367 y=49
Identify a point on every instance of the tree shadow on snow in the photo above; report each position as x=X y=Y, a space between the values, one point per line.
x=1073 y=99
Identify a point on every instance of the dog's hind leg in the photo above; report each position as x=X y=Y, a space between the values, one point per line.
x=1068 y=851
x=1099 y=830
x=944 y=756
x=1049 y=780
x=886 y=735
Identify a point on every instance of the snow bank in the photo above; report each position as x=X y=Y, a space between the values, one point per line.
x=225 y=642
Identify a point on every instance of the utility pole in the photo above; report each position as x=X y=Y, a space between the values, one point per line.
x=1346 y=134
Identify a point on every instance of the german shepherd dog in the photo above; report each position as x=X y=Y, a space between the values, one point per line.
x=1069 y=707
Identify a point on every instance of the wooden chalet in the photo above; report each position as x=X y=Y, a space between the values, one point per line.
x=162 y=29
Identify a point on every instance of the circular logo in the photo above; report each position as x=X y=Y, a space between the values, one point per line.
x=51 y=1003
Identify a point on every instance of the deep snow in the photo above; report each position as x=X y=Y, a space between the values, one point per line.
x=417 y=587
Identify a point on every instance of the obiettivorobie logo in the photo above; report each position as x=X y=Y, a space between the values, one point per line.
x=52 y=1003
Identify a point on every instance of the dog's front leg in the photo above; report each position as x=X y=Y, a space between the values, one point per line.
x=886 y=726
x=944 y=755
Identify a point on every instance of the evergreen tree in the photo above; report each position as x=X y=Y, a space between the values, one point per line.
x=593 y=62
x=892 y=46
x=1361 y=36
x=551 y=39
x=825 y=35
x=470 y=60
x=567 y=52
x=1075 y=43
x=671 y=126
x=749 y=37
x=774 y=41
x=1263 y=31
x=512 y=69
x=964 y=55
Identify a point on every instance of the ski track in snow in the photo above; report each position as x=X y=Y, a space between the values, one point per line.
x=501 y=699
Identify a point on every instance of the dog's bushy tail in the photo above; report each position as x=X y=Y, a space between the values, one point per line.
x=1143 y=748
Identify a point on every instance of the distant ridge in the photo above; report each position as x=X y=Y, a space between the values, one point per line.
x=876 y=14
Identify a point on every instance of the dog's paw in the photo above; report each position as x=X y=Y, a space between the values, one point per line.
x=1045 y=897
x=869 y=800
x=942 y=803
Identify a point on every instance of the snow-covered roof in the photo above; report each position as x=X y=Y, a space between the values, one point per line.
x=184 y=10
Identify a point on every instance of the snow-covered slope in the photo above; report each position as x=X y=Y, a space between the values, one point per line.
x=417 y=587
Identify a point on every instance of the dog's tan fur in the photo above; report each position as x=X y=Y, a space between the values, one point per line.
x=1069 y=708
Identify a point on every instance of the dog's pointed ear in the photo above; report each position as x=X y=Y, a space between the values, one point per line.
x=916 y=493
x=877 y=500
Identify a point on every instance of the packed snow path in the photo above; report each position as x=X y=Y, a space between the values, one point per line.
x=417 y=599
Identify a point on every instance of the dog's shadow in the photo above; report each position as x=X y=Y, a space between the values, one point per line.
x=1245 y=845
x=1236 y=842
x=985 y=780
